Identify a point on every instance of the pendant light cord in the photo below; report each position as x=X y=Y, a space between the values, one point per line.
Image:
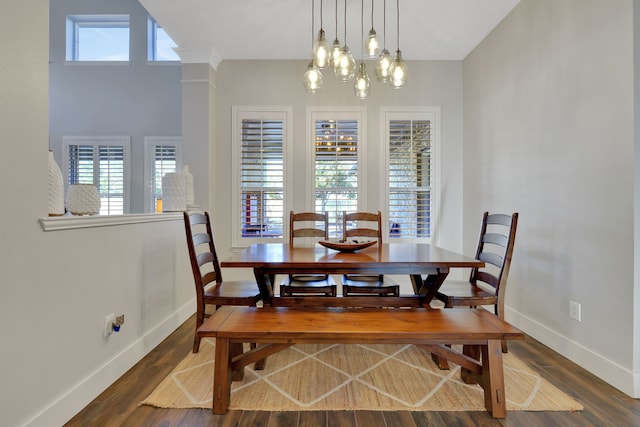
x=371 y=13
x=313 y=19
x=398 y=22
x=362 y=30
x=336 y=19
x=345 y=22
x=384 y=23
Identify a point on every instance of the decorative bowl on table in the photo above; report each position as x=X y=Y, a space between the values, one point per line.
x=348 y=245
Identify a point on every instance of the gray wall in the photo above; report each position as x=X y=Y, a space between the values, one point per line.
x=255 y=83
x=137 y=99
x=548 y=123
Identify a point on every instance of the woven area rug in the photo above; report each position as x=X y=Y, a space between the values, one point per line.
x=363 y=377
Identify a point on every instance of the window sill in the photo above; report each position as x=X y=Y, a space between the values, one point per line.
x=98 y=63
x=57 y=223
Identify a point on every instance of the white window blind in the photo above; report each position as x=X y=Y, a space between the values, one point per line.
x=262 y=178
x=336 y=169
x=103 y=163
x=163 y=155
x=410 y=178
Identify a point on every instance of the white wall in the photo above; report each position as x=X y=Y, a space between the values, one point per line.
x=548 y=132
x=58 y=286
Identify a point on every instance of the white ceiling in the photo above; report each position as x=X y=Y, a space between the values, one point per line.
x=215 y=30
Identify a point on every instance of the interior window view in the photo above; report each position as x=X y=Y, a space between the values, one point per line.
x=321 y=213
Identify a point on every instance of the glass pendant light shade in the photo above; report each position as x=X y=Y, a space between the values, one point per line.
x=345 y=67
x=321 y=51
x=383 y=67
x=312 y=80
x=362 y=84
x=398 y=71
x=335 y=52
x=372 y=44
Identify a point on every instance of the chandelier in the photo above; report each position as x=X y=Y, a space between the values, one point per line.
x=388 y=69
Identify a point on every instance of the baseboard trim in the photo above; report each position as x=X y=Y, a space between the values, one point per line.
x=73 y=401
x=612 y=373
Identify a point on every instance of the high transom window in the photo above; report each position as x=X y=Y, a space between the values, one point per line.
x=97 y=38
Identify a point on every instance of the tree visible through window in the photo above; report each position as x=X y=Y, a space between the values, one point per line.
x=336 y=169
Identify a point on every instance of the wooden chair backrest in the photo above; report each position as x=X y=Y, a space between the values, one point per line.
x=202 y=251
x=308 y=231
x=361 y=219
x=495 y=248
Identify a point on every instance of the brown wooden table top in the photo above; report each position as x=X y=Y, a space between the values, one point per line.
x=405 y=258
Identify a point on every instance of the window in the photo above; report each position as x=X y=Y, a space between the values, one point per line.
x=98 y=38
x=104 y=162
x=159 y=44
x=411 y=144
x=162 y=155
x=260 y=140
x=336 y=154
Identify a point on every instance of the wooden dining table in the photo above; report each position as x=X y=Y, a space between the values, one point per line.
x=425 y=264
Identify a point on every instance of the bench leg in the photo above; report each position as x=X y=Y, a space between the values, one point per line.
x=222 y=376
x=493 y=379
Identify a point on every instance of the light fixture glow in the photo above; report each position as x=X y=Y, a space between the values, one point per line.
x=362 y=85
x=312 y=80
x=398 y=71
x=321 y=51
x=321 y=46
x=335 y=47
x=345 y=66
x=398 y=67
x=383 y=67
x=372 y=40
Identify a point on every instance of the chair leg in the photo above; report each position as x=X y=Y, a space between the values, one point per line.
x=196 y=343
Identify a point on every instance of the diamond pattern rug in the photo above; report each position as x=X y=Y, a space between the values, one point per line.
x=347 y=377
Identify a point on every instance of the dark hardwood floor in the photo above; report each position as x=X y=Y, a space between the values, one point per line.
x=118 y=405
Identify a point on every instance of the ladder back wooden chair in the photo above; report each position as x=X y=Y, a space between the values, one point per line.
x=310 y=225
x=486 y=286
x=364 y=226
x=211 y=289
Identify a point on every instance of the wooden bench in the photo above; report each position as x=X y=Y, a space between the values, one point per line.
x=275 y=329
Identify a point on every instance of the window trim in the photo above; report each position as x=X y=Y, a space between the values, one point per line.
x=150 y=142
x=152 y=44
x=431 y=113
x=358 y=114
x=95 y=141
x=73 y=22
x=238 y=113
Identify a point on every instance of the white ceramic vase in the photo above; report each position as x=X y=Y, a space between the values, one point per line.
x=174 y=192
x=83 y=199
x=188 y=181
x=56 y=188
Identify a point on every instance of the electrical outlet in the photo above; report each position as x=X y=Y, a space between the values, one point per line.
x=575 y=311
x=108 y=324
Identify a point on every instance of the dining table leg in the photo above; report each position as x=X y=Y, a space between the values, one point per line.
x=428 y=286
x=265 y=281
